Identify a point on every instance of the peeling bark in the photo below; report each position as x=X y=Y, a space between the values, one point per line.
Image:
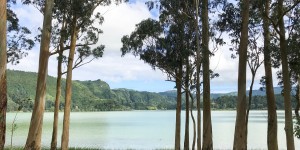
x=3 y=84
x=67 y=110
x=35 y=130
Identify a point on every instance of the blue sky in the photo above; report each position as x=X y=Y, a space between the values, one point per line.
x=127 y=72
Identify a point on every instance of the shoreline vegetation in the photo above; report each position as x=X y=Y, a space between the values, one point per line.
x=93 y=96
x=75 y=148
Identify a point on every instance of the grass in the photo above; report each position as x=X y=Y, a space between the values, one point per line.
x=72 y=148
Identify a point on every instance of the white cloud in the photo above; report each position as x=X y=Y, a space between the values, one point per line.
x=119 y=21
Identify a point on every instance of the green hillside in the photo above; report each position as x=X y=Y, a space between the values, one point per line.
x=97 y=96
x=86 y=95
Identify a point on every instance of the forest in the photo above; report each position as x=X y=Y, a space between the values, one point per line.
x=98 y=96
x=180 y=42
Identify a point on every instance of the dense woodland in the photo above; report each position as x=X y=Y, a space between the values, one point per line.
x=97 y=96
x=180 y=42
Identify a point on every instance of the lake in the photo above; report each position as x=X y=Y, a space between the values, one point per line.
x=144 y=129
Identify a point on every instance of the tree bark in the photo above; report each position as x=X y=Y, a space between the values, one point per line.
x=178 y=108
x=272 y=115
x=198 y=66
x=198 y=109
x=240 y=138
x=58 y=87
x=194 y=122
x=286 y=80
x=187 y=107
x=35 y=130
x=3 y=61
x=207 y=129
x=67 y=110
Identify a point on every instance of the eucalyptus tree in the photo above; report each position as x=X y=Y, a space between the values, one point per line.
x=286 y=79
x=3 y=84
x=293 y=48
x=35 y=129
x=240 y=138
x=277 y=21
x=207 y=132
x=162 y=45
x=88 y=34
x=14 y=40
x=61 y=17
x=81 y=18
x=198 y=66
x=231 y=21
x=161 y=52
x=272 y=115
x=255 y=50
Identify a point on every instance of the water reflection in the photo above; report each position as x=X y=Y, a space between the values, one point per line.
x=146 y=129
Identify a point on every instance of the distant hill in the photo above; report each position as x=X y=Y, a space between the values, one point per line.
x=98 y=96
x=86 y=95
x=277 y=90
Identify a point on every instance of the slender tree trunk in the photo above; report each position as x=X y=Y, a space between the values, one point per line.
x=58 y=87
x=187 y=107
x=207 y=129
x=249 y=100
x=272 y=115
x=178 y=108
x=286 y=81
x=35 y=130
x=3 y=61
x=198 y=65
x=66 y=121
x=298 y=98
x=193 y=119
x=240 y=138
x=198 y=110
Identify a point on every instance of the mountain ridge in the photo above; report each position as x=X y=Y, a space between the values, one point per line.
x=86 y=95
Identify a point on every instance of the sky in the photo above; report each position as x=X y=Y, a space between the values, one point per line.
x=128 y=71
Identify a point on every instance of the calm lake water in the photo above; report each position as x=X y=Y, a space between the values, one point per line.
x=144 y=129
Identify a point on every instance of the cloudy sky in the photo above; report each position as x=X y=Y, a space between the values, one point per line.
x=126 y=72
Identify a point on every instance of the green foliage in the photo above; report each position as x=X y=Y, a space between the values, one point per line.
x=97 y=96
x=86 y=95
x=297 y=127
x=18 y=37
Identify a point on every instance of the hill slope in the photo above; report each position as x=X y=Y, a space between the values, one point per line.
x=86 y=95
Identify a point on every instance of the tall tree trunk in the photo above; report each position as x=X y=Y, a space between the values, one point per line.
x=286 y=80
x=198 y=65
x=66 y=121
x=207 y=129
x=35 y=130
x=240 y=138
x=187 y=107
x=272 y=115
x=198 y=109
x=58 y=87
x=3 y=61
x=178 y=108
